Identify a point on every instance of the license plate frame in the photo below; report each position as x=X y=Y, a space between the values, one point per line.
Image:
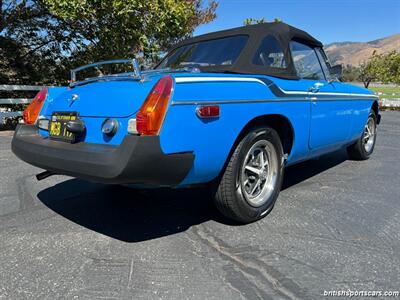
x=58 y=126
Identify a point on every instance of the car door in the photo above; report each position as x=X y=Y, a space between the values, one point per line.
x=330 y=113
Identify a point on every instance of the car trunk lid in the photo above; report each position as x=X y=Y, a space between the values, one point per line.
x=114 y=98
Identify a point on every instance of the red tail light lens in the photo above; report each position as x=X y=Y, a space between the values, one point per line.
x=31 y=113
x=208 y=111
x=151 y=115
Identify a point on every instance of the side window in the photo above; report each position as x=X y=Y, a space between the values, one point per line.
x=270 y=54
x=306 y=61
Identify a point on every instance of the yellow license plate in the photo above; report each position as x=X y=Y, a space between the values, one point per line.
x=58 y=126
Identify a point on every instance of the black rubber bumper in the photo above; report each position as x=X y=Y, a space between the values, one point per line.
x=137 y=160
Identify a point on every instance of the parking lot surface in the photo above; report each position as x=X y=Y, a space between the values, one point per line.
x=336 y=226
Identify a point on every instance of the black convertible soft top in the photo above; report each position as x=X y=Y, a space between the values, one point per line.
x=283 y=32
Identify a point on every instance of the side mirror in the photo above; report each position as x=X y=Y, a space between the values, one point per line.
x=336 y=71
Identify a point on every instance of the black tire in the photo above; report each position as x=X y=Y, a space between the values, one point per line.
x=358 y=151
x=230 y=198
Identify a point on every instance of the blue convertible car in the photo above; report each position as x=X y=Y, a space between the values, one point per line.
x=231 y=108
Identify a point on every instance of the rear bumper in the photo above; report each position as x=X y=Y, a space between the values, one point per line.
x=137 y=160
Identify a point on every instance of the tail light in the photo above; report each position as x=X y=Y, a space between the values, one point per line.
x=31 y=113
x=208 y=111
x=151 y=115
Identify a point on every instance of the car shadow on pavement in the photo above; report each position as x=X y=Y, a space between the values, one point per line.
x=128 y=214
x=307 y=169
x=133 y=215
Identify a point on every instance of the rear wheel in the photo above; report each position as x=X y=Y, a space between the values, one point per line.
x=363 y=148
x=252 y=179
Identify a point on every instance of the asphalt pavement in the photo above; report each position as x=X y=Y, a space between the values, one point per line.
x=336 y=226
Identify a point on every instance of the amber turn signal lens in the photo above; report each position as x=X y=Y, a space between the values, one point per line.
x=151 y=115
x=31 y=113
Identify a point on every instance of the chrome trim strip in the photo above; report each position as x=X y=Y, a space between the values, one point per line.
x=357 y=96
x=328 y=94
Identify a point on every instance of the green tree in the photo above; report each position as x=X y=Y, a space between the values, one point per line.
x=110 y=29
x=40 y=40
x=390 y=71
x=370 y=70
x=31 y=42
x=381 y=67
x=252 y=21
x=350 y=73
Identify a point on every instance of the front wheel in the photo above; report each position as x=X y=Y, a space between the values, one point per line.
x=363 y=148
x=253 y=177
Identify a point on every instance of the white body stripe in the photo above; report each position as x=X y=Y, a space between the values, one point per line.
x=328 y=94
x=248 y=79
x=211 y=79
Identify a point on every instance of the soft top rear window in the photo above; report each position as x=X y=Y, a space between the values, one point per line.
x=217 y=52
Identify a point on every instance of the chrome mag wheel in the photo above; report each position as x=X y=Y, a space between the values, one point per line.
x=369 y=134
x=259 y=173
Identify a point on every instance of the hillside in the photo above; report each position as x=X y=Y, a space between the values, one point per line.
x=353 y=53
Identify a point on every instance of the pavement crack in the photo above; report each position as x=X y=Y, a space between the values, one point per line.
x=130 y=274
x=255 y=275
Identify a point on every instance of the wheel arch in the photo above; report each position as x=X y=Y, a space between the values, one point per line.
x=278 y=122
x=375 y=108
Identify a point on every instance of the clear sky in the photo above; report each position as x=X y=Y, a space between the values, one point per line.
x=327 y=20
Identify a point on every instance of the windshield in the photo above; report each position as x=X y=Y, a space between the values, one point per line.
x=216 y=52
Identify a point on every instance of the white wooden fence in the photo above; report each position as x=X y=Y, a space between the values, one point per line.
x=5 y=113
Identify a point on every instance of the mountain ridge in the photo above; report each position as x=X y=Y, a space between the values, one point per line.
x=354 y=53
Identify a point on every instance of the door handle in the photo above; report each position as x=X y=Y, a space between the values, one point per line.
x=315 y=88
